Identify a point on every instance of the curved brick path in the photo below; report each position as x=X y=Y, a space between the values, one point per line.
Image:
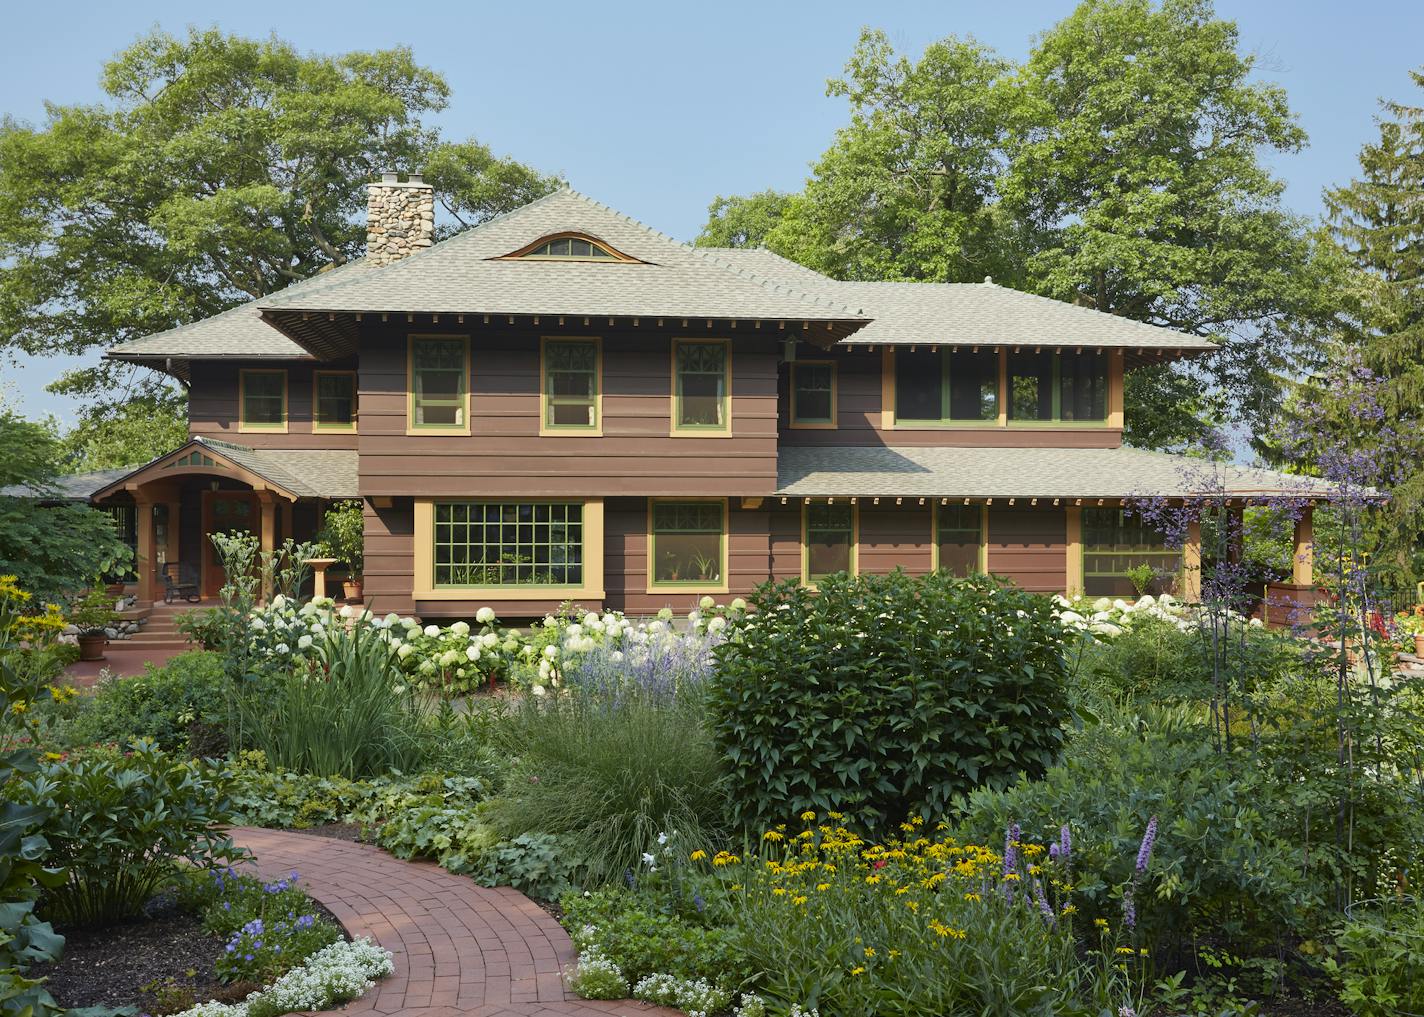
x=460 y=949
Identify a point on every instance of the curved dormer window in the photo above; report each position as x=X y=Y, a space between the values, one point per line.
x=568 y=247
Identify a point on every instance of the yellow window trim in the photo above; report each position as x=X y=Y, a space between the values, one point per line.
x=410 y=427
x=691 y=588
x=806 y=544
x=243 y=426
x=424 y=546
x=568 y=430
x=936 y=505
x=317 y=424
x=674 y=430
x=824 y=425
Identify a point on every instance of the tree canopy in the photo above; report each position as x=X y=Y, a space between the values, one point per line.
x=218 y=169
x=1118 y=167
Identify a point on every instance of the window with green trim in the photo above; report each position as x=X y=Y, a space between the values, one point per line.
x=335 y=400
x=264 y=399
x=439 y=376
x=813 y=392
x=701 y=393
x=1118 y=547
x=571 y=384
x=940 y=386
x=491 y=543
x=1048 y=386
x=830 y=541
x=960 y=539
x=687 y=542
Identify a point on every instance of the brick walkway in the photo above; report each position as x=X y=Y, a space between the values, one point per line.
x=460 y=949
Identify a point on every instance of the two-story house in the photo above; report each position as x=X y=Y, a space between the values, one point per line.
x=565 y=405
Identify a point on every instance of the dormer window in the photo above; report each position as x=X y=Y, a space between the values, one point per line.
x=568 y=247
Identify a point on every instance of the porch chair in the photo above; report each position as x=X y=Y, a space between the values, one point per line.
x=180 y=581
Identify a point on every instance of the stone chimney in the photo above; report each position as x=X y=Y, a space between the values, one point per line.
x=400 y=217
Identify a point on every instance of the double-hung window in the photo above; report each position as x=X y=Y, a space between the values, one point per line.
x=439 y=383
x=813 y=393
x=688 y=543
x=262 y=397
x=829 y=541
x=938 y=386
x=494 y=543
x=702 y=372
x=334 y=401
x=959 y=538
x=571 y=384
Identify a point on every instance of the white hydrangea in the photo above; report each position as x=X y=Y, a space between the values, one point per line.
x=738 y=604
x=485 y=615
x=432 y=631
x=665 y=614
x=716 y=624
x=707 y=603
x=473 y=653
x=460 y=629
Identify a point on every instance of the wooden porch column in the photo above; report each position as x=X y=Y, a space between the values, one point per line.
x=267 y=535
x=143 y=556
x=1192 y=564
x=1303 y=564
x=1073 y=585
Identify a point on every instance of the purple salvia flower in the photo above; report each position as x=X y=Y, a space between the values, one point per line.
x=1065 y=844
x=1011 y=859
x=1129 y=909
x=1144 y=853
x=1042 y=902
x=1053 y=851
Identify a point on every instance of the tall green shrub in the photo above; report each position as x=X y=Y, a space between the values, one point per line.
x=884 y=694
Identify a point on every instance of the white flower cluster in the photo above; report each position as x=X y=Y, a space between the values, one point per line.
x=696 y=998
x=596 y=976
x=335 y=974
x=1104 y=617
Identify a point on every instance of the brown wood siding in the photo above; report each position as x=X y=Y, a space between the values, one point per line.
x=213 y=410
x=1030 y=546
x=858 y=417
x=895 y=536
x=389 y=559
x=504 y=455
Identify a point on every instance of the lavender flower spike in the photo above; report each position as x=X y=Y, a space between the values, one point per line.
x=1065 y=844
x=1144 y=853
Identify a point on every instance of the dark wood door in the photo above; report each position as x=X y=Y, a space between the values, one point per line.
x=224 y=512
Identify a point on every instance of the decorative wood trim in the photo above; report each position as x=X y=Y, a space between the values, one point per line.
x=1116 y=389
x=1003 y=389
x=887 y=388
x=692 y=588
x=410 y=426
x=1073 y=572
x=523 y=252
x=243 y=427
x=569 y=431
x=423 y=544
x=317 y=425
x=806 y=547
x=674 y=430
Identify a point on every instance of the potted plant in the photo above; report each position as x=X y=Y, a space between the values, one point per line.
x=343 y=535
x=91 y=614
x=1411 y=627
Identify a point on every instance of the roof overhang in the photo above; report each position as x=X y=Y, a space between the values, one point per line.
x=193 y=458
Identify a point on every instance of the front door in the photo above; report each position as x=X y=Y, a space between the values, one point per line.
x=224 y=512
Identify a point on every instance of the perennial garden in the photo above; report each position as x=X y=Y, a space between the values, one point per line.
x=897 y=795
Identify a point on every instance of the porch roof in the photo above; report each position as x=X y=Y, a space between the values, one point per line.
x=292 y=473
x=881 y=471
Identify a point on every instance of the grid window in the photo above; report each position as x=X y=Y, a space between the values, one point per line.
x=813 y=393
x=438 y=379
x=830 y=541
x=701 y=370
x=570 y=383
x=687 y=542
x=1117 y=542
x=264 y=399
x=335 y=400
x=508 y=544
x=940 y=386
x=960 y=538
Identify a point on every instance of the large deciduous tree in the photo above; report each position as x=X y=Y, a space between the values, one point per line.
x=218 y=170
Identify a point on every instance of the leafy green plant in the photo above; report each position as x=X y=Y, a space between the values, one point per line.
x=539 y=864
x=887 y=694
x=118 y=827
x=204 y=626
x=343 y=534
x=92 y=612
x=1381 y=964
x=179 y=705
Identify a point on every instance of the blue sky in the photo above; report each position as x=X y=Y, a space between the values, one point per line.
x=655 y=108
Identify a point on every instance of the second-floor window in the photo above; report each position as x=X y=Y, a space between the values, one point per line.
x=813 y=393
x=941 y=386
x=702 y=386
x=439 y=380
x=1049 y=386
x=571 y=384
x=262 y=399
x=334 y=401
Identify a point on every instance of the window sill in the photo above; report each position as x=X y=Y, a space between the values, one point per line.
x=478 y=593
x=261 y=428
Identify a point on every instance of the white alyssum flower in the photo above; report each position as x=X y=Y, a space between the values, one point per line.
x=335 y=974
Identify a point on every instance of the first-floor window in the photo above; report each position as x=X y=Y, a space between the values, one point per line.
x=687 y=542
x=960 y=538
x=830 y=541
x=1122 y=551
x=492 y=543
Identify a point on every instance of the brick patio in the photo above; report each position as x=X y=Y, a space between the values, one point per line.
x=460 y=949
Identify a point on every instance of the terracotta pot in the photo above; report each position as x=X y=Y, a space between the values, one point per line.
x=115 y=589
x=351 y=589
x=1419 y=645
x=91 y=646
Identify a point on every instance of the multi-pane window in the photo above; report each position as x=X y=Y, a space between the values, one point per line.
x=940 y=386
x=1048 y=386
x=508 y=544
x=335 y=399
x=700 y=399
x=264 y=400
x=830 y=541
x=571 y=383
x=813 y=393
x=960 y=538
x=570 y=247
x=688 y=539
x=439 y=376
x=1122 y=550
